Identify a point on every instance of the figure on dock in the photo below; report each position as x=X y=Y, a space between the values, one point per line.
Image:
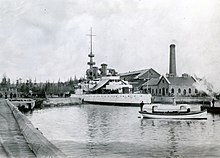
x=141 y=105
x=6 y=95
x=11 y=95
x=213 y=102
x=174 y=101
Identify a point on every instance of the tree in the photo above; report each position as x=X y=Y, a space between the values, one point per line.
x=4 y=81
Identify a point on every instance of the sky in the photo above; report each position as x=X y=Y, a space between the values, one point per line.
x=46 y=40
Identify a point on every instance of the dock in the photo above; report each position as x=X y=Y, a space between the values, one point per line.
x=181 y=100
x=211 y=109
x=19 y=138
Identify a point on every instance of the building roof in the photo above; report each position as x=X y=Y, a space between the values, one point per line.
x=142 y=73
x=181 y=81
x=177 y=81
x=152 y=82
x=137 y=72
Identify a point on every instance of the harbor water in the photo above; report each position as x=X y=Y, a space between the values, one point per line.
x=114 y=131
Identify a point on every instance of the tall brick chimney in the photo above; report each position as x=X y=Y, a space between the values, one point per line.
x=172 y=68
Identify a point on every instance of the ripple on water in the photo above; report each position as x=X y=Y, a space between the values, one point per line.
x=114 y=131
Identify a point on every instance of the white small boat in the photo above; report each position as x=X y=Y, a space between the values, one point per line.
x=172 y=112
x=173 y=115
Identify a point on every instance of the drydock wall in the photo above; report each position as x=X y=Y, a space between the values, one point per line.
x=182 y=100
x=35 y=139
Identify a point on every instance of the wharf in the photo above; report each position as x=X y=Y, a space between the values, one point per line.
x=18 y=137
x=12 y=142
x=211 y=109
x=181 y=100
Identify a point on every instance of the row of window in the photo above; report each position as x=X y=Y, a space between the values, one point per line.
x=184 y=91
x=163 y=91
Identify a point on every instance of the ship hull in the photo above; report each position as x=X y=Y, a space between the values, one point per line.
x=115 y=99
x=190 y=115
x=113 y=103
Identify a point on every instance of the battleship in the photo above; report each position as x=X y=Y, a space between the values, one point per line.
x=106 y=87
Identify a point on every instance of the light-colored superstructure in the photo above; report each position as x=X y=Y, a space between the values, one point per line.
x=110 y=90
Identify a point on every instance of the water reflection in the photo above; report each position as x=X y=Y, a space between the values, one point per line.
x=173 y=141
x=92 y=122
x=174 y=135
x=98 y=124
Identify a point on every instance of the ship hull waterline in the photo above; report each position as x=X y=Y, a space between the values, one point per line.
x=190 y=115
x=112 y=103
x=115 y=99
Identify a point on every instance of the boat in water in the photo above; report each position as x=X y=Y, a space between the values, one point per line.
x=164 y=111
x=23 y=104
x=104 y=86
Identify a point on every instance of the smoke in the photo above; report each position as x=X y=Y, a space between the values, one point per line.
x=203 y=86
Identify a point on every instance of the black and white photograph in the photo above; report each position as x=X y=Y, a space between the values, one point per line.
x=109 y=78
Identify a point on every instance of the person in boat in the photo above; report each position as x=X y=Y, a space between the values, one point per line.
x=141 y=105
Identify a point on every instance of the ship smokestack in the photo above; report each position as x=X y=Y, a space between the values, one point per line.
x=104 y=69
x=172 y=68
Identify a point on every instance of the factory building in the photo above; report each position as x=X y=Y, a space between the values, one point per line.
x=171 y=84
x=137 y=78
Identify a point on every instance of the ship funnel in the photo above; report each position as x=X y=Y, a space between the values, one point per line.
x=104 y=69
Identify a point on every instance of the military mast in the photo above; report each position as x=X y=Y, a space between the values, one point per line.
x=90 y=75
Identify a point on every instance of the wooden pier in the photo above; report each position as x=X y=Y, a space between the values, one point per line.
x=12 y=142
x=19 y=138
